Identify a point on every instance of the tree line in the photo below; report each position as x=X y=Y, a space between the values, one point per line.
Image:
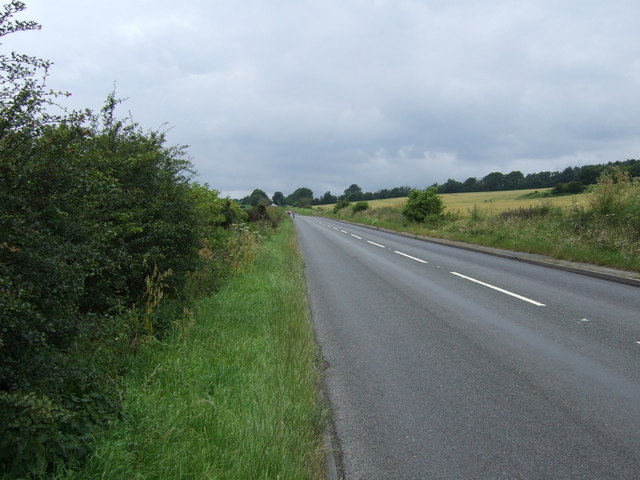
x=570 y=180
x=303 y=197
x=516 y=180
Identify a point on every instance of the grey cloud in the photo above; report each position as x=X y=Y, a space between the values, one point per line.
x=317 y=93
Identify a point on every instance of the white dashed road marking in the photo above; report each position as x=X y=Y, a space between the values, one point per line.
x=501 y=290
x=376 y=244
x=409 y=256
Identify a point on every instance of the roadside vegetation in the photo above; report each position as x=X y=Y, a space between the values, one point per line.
x=601 y=226
x=231 y=392
x=126 y=348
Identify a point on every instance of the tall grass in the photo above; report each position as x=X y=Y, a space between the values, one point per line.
x=233 y=394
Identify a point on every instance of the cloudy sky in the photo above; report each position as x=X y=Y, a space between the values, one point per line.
x=283 y=94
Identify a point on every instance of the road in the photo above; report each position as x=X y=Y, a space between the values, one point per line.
x=445 y=363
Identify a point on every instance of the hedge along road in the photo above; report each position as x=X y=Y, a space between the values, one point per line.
x=447 y=363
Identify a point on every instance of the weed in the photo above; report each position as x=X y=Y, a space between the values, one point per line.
x=526 y=212
x=477 y=214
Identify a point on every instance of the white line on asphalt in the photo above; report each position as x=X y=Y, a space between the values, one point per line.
x=356 y=236
x=409 y=256
x=344 y=231
x=376 y=244
x=507 y=292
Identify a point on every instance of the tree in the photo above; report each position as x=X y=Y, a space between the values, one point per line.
x=24 y=98
x=450 y=186
x=327 y=198
x=301 y=197
x=513 y=180
x=278 y=199
x=589 y=174
x=539 y=180
x=423 y=205
x=353 y=193
x=400 y=192
x=493 y=182
x=471 y=185
x=568 y=175
x=258 y=197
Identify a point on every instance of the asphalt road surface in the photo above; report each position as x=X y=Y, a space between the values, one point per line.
x=444 y=363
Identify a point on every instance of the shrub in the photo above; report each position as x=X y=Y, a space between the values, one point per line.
x=360 y=206
x=423 y=205
x=573 y=187
x=340 y=205
x=478 y=214
x=616 y=193
x=91 y=207
x=89 y=212
x=526 y=212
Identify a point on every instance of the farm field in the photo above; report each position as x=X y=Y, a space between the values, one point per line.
x=497 y=202
x=491 y=202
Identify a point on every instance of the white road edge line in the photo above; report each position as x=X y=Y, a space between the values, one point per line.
x=409 y=256
x=356 y=236
x=376 y=244
x=507 y=292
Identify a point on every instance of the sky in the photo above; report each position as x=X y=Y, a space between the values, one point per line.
x=322 y=94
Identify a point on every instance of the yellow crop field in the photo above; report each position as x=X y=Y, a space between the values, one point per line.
x=497 y=202
x=490 y=202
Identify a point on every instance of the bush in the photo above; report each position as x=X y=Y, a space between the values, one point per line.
x=616 y=193
x=360 y=206
x=478 y=214
x=94 y=211
x=424 y=206
x=526 y=212
x=574 y=187
x=90 y=211
x=340 y=205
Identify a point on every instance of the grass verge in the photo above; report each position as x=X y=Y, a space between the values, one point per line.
x=233 y=394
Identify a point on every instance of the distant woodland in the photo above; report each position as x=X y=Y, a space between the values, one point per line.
x=570 y=180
